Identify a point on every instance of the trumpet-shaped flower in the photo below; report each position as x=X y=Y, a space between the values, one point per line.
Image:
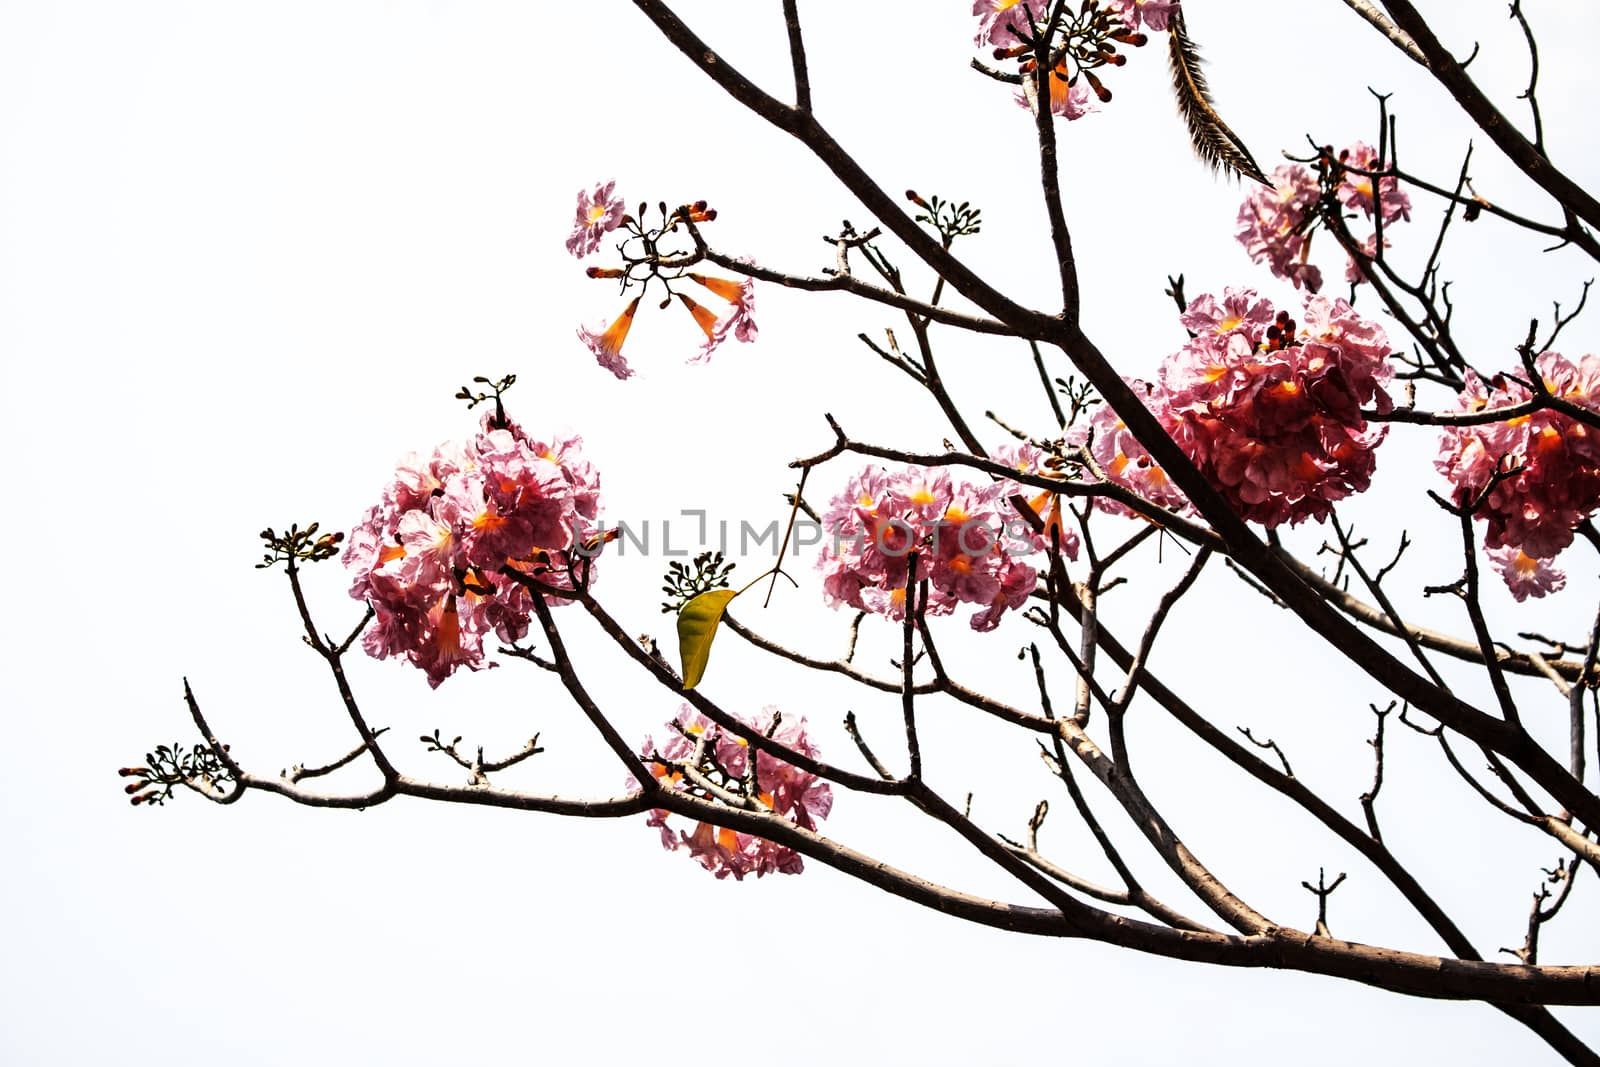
x=738 y=321
x=607 y=344
x=1068 y=100
x=1275 y=225
x=1125 y=461
x=1271 y=414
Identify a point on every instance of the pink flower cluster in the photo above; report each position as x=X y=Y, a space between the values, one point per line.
x=1533 y=477
x=428 y=558
x=961 y=536
x=723 y=759
x=1270 y=414
x=1124 y=460
x=1275 y=225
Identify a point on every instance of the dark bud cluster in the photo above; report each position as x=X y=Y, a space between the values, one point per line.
x=171 y=766
x=952 y=220
x=297 y=544
x=684 y=582
x=497 y=390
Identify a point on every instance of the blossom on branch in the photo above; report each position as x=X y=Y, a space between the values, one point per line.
x=1526 y=575
x=1123 y=459
x=1533 y=477
x=607 y=344
x=1000 y=22
x=429 y=556
x=961 y=538
x=648 y=259
x=1355 y=190
x=1273 y=224
x=1272 y=415
x=599 y=212
x=738 y=321
x=697 y=756
x=1068 y=100
x=1269 y=413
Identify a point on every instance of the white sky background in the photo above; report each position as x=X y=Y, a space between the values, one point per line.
x=248 y=252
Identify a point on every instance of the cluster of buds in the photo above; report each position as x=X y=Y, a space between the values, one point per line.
x=646 y=261
x=295 y=544
x=684 y=582
x=171 y=766
x=1080 y=42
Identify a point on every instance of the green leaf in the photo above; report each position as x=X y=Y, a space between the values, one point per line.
x=697 y=626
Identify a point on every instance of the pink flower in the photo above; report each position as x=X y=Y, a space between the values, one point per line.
x=1355 y=190
x=607 y=345
x=599 y=212
x=1240 y=309
x=429 y=563
x=723 y=759
x=1525 y=575
x=996 y=21
x=1016 y=585
x=1156 y=14
x=1533 y=477
x=1354 y=273
x=1273 y=225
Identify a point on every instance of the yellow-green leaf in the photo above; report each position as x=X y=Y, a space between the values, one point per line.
x=697 y=626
